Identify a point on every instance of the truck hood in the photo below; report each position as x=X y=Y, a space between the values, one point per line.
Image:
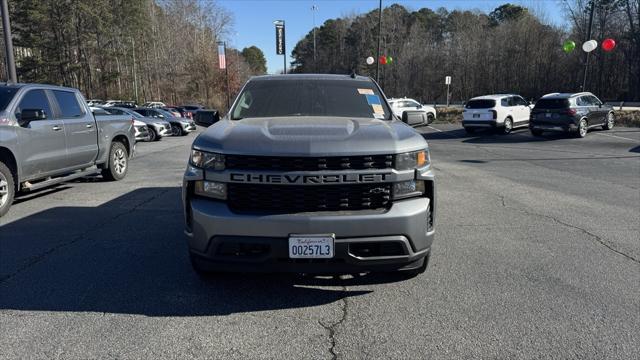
x=309 y=136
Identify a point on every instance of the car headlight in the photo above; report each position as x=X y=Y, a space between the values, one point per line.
x=212 y=189
x=207 y=160
x=412 y=160
x=406 y=189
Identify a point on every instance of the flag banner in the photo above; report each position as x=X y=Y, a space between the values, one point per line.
x=221 y=57
x=280 y=39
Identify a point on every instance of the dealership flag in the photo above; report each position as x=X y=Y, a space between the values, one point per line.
x=221 y=57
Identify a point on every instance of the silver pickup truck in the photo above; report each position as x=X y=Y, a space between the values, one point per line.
x=310 y=174
x=49 y=135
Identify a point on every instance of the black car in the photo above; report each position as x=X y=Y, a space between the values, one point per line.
x=206 y=117
x=570 y=113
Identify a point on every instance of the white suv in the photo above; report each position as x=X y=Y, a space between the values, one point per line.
x=504 y=112
x=398 y=106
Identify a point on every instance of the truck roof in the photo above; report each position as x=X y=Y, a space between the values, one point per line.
x=310 y=77
x=48 y=86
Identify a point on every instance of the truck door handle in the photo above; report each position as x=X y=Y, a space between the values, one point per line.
x=89 y=126
x=56 y=128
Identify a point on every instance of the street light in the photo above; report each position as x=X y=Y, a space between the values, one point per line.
x=281 y=47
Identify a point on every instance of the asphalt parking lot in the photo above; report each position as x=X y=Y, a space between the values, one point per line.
x=537 y=255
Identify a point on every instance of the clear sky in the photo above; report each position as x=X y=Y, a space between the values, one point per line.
x=253 y=19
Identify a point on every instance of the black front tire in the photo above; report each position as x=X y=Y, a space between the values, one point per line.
x=118 y=163
x=430 y=118
x=507 y=127
x=609 y=121
x=7 y=189
x=153 y=135
x=176 y=130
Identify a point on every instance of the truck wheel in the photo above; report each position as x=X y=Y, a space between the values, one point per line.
x=7 y=189
x=608 y=125
x=582 y=129
x=118 y=163
x=508 y=126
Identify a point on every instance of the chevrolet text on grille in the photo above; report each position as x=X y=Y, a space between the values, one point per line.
x=308 y=179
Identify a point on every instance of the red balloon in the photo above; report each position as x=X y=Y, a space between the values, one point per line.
x=608 y=44
x=383 y=60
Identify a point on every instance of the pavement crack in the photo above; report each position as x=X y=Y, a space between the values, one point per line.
x=597 y=238
x=331 y=328
x=40 y=257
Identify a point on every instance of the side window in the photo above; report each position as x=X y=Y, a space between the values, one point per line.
x=520 y=101
x=594 y=101
x=505 y=102
x=582 y=101
x=414 y=103
x=34 y=99
x=68 y=102
x=116 y=112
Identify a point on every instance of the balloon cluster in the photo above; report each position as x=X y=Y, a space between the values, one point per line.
x=589 y=46
x=384 y=60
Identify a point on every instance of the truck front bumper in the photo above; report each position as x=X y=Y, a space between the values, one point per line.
x=395 y=239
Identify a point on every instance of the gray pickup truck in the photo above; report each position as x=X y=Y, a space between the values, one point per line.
x=49 y=135
x=310 y=174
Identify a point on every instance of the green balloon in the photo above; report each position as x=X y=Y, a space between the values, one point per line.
x=389 y=59
x=568 y=46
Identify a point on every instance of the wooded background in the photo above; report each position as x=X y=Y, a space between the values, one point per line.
x=510 y=50
x=92 y=44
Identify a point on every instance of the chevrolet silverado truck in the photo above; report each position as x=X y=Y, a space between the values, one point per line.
x=48 y=135
x=310 y=174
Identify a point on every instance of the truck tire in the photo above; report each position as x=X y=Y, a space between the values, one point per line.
x=118 y=163
x=7 y=189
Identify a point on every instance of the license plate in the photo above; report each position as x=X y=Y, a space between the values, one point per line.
x=311 y=246
x=476 y=116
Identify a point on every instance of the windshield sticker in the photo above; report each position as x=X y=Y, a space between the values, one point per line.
x=373 y=100
x=377 y=109
x=378 y=116
x=365 y=91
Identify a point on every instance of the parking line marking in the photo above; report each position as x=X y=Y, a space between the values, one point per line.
x=431 y=127
x=619 y=137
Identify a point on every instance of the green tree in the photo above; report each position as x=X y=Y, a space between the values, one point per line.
x=255 y=59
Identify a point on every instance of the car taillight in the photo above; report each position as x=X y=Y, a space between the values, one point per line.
x=571 y=112
x=495 y=114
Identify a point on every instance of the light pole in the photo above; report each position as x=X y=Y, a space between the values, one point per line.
x=8 y=44
x=592 y=5
x=379 y=39
x=135 y=76
x=314 y=8
x=281 y=47
x=222 y=61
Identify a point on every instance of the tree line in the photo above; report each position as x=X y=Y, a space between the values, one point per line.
x=130 y=49
x=510 y=49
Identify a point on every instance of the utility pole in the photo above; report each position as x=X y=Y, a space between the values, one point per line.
x=592 y=4
x=313 y=11
x=222 y=64
x=135 y=75
x=379 y=42
x=8 y=44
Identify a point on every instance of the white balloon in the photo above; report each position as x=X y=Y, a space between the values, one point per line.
x=370 y=60
x=589 y=46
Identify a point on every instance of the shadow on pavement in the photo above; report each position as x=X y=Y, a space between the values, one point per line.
x=129 y=256
x=635 y=149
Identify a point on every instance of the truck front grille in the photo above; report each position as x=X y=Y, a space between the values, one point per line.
x=245 y=162
x=295 y=198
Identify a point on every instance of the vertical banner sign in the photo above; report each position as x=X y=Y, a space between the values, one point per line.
x=222 y=60
x=447 y=80
x=280 y=39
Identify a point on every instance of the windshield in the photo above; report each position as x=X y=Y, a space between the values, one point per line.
x=342 y=98
x=480 y=104
x=552 y=104
x=165 y=113
x=6 y=94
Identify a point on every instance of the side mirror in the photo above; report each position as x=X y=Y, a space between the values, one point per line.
x=414 y=117
x=203 y=118
x=419 y=106
x=29 y=115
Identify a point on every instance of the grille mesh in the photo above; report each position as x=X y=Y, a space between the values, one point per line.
x=245 y=162
x=294 y=198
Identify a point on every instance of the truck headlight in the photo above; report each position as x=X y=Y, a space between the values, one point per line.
x=406 y=189
x=412 y=160
x=212 y=189
x=207 y=160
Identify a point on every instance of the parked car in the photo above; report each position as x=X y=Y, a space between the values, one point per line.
x=398 y=106
x=125 y=104
x=190 y=110
x=154 y=104
x=48 y=135
x=95 y=102
x=142 y=131
x=573 y=113
x=175 y=112
x=502 y=112
x=206 y=117
x=158 y=128
x=179 y=126
x=109 y=103
x=305 y=175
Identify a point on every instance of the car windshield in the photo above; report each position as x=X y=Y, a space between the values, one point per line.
x=165 y=113
x=6 y=94
x=480 y=104
x=342 y=98
x=552 y=104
